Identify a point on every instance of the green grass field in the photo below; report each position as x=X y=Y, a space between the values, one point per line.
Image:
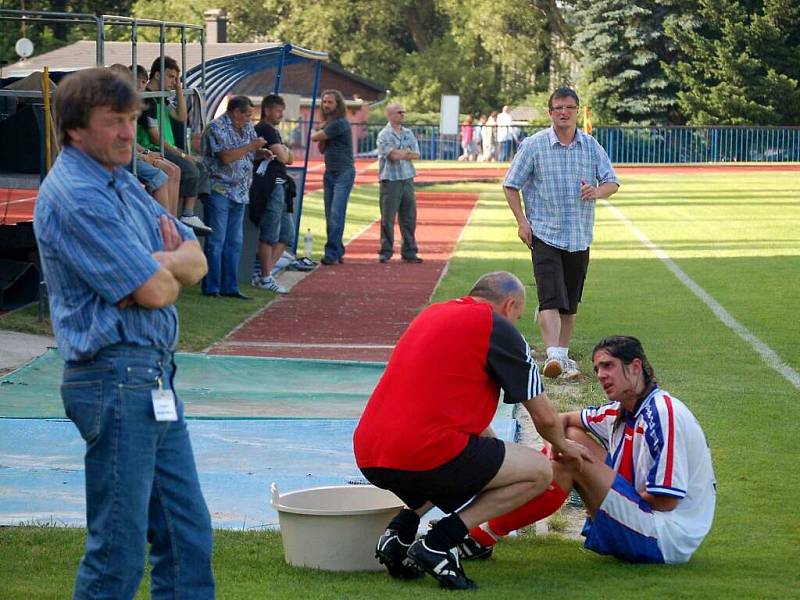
x=738 y=237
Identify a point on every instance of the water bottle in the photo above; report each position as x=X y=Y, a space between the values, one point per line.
x=308 y=244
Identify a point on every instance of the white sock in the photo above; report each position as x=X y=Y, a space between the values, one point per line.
x=563 y=352
x=552 y=352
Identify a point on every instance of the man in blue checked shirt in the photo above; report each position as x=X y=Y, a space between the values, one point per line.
x=397 y=147
x=114 y=262
x=231 y=146
x=561 y=172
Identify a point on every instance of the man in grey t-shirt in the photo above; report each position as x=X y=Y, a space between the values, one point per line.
x=336 y=143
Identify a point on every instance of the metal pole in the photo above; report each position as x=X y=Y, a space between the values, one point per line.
x=46 y=96
x=305 y=160
x=100 y=54
x=162 y=101
x=277 y=89
x=135 y=77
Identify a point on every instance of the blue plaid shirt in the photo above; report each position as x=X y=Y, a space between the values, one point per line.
x=96 y=232
x=232 y=180
x=549 y=175
x=388 y=140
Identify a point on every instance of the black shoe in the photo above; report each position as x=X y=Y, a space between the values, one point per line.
x=328 y=261
x=415 y=260
x=211 y=294
x=442 y=565
x=341 y=260
x=393 y=554
x=383 y=259
x=238 y=295
x=471 y=549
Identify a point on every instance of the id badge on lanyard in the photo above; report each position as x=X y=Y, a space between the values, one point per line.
x=164 y=403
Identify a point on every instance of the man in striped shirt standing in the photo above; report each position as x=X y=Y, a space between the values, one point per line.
x=650 y=492
x=425 y=433
x=561 y=172
x=114 y=262
x=397 y=147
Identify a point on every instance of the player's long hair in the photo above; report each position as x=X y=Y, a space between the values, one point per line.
x=626 y=348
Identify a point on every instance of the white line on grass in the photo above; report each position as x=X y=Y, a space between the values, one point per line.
x=768 y=354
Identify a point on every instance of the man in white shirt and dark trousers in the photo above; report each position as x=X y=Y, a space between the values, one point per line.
x=397 y=147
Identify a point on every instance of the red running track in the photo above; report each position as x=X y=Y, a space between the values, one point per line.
x=16 y=205
x=357 y=310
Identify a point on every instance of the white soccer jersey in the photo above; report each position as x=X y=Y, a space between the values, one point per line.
x=670 y=457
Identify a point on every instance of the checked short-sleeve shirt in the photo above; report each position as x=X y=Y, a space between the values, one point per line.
x=97 y=231
x=549 y=176
x=232 y=180
x=388 y=140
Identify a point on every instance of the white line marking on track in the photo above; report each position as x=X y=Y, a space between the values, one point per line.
x=17 y=201
x=770 y=357
x=293 y=345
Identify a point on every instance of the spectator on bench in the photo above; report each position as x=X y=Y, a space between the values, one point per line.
x=153 y=124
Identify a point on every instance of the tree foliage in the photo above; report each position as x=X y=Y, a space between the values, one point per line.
x=623 y=48
x=488 y=51
x=48 y=36
x=741 y=63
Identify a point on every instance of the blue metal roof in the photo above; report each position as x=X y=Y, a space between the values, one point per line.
x=222 y=74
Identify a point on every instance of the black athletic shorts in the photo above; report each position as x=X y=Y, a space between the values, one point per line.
x=559 y=276
x=449 y=486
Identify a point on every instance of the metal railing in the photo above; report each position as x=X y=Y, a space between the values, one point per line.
x=629 y=145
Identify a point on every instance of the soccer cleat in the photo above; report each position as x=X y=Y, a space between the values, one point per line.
x=393 y=554
x=471 y=549
x=442 y=565
x=413 y=260
x=552 y=367
x=196 y=224
x=570 y=369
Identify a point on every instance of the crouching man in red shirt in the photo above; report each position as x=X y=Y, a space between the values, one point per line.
x=425 y=433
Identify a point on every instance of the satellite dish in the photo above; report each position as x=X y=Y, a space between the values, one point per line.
x=24 y=48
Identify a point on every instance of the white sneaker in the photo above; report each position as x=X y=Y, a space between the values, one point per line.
x=195 y=223
x=269 y=283
x=569 y=369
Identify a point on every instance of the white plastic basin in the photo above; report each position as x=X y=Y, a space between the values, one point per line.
x=334 y=528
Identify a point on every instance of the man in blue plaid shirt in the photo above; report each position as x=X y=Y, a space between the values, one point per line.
x=115 y=261
x=397 y=147
x=561 y=172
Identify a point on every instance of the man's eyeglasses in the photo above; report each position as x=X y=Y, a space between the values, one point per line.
x=400 y=112
x=564 y=108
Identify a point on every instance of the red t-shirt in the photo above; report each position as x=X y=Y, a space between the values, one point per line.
x=442 y=384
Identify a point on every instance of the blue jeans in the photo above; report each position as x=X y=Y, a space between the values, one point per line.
x=336 y=191
x=223 y=247
x=141 y=480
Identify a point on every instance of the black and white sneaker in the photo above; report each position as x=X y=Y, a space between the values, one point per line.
x=470 y=549
x=393 y=554
x=443 y=566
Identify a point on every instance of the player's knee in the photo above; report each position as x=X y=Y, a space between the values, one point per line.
x=541 y=470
